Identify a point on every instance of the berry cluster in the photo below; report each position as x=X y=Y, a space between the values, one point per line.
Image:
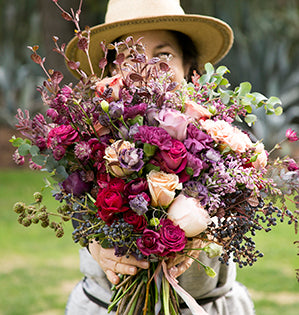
x=239 y=221
x=35 y=213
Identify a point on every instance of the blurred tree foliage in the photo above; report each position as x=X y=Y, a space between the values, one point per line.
x=265 y=51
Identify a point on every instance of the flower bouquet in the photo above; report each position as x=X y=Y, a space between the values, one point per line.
x=154 y=169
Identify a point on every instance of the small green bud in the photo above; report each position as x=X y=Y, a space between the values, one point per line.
x=38 y=197
x=213 y=250
x=31 y=209
x=210 y=271
x=19 y=207
x=26 y=221
x=35 y=220
x=149 y=149
x=83 y=241
x=21 y=217
x=45 y=223
x=154 y=222
x=59 y=232
x=105 y=106
x=53 y=225
x=42 y=216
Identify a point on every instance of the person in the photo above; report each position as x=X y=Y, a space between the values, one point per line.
x=190 y=41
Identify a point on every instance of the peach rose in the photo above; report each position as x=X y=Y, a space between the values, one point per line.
x=189 y=214
x=111 y=156
x=262 y=157
x=196 y=111
x=115 y=82
x=223 y=132
x=162 y=187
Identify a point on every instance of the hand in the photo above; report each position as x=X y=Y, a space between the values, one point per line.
x=180 y=263
x=112 y=265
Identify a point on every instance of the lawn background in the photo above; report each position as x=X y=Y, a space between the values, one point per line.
x=38 y=271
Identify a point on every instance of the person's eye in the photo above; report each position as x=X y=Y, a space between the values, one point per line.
x=164 y=55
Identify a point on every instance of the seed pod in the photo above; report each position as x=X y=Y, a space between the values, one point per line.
x=26 y=221
x=45 y=223
x=59 y=232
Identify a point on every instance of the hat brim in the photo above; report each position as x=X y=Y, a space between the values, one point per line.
x=212 y=37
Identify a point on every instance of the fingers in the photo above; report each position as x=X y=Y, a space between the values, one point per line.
x=176 y=271
x=113 y=265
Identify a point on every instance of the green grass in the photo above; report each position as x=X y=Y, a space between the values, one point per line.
x=38 y=271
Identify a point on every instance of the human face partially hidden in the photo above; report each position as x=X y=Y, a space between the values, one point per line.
x=163 y=44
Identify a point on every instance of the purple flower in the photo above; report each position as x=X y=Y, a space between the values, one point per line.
x=197 y=140
x=195 y=163
x=82 y=150
x=198 y=191
x=75 y=185
x=116 y=110
x=133 y=111
x=139 y=204
x=154 y=136
x=131 y=159
x=149 y=243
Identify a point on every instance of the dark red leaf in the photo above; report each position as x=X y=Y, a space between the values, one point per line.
x=73 y=65
x=135 y=77
x=120 y=58
x=83 y=43
x=56 y=77
x=36 y=58
x=171 y=86
x=66 y=16
x=102 y=63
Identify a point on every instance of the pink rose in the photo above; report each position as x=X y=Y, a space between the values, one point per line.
x=174 y=122
x=172 y=237
x=188 y=213
x=262 y=157
x=224 y=133
x=115 y=82
x=63 y=135
x=162 y=187
x=175 y=159
x=196 y=111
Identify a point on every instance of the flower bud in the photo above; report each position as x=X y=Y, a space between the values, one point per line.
x=213 y=250
x=19 y=207
x=26 y=221
x=59 y=232
x=45 y=223
x=38 y=197
x=35 y=220
x=105 y=106
x=154 y=222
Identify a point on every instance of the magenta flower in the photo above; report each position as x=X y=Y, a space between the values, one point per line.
x=291 y=135
x=150 y=243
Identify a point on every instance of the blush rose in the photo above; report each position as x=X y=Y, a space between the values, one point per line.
x=196 y=111
x=115 y=82
x=188 y=213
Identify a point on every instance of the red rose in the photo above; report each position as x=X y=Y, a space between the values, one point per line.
x=110 y=201
x=171 y=236
x=138 y=221
x=174 y=160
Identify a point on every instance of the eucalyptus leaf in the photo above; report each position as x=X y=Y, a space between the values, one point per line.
x=60 y=174
x=250 y=119
x=245 y=88
x=24 y=149
x=39 y=159
x=34 y=150
x=278 y=110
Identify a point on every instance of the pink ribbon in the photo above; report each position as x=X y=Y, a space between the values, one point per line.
x=188 y=299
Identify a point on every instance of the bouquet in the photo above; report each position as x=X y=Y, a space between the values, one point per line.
x=154 y=168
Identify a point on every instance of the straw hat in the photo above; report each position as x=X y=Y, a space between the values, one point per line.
x=212 y=37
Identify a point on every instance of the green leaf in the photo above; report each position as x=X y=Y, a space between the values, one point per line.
x=245 y=87
x=209 y=69
x=149 y=149
x=24 y=149
x=273 y=100
x=278 y=110
x=60 y=174
x=16 y=142
x=39 y=159
x=225 y=98
x=222 y=70
x=250 y=119
x=34 y=150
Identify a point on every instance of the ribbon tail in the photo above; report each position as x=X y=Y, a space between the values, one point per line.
x=158 y=281
x=188 y=299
